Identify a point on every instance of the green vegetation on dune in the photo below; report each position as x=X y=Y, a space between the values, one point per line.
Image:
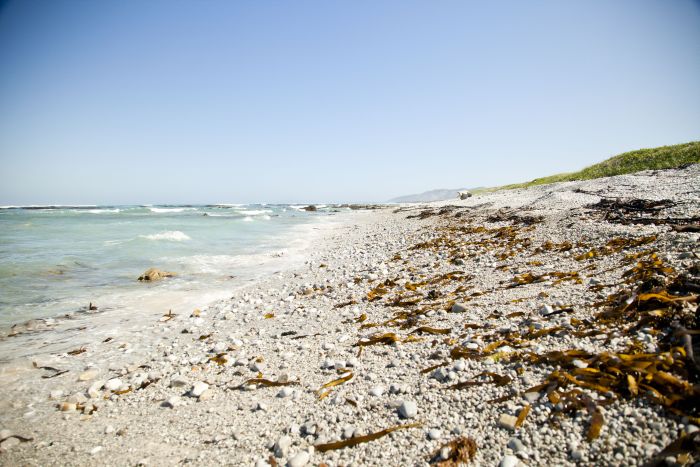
x=664 y=157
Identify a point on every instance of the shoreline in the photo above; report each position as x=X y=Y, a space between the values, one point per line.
x=169 y=396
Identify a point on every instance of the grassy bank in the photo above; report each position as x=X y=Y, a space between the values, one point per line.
x=664 y=157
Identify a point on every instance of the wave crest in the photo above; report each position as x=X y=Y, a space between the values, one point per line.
x=170 y=235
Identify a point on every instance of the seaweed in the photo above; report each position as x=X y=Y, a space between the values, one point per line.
x=461 y=451
x=496 y=379
x=351 y=442
x=342 y=380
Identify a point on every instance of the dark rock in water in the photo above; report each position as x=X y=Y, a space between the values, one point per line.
x=464 y=195
x=205 y=215
x=310 y=207
x=154 y=274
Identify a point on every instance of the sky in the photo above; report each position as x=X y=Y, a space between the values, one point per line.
x=175 y=101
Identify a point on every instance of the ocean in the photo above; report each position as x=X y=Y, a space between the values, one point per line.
x=55 y=260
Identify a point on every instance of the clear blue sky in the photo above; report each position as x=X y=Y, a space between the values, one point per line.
x=152 y=101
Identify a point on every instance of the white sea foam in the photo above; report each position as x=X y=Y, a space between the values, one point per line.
x=248 y=219
x=164 y=210
x=100 y=211
x=171 y=235
x=258 y=212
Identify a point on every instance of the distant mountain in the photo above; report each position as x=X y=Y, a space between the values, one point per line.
x=428 y=196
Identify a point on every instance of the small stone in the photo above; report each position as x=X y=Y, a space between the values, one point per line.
x=376 y=391
x=460 y=365
x=579 y=363
x=285 y=392
x=576 y=455
x=109 y=429
x=508 y=461
x=299 y=460
x=691 y=429
x=88 y=375
x=348 y=432
x=113 y=384
x=95 y=450
x=55 y=394
x=408 y=409
x=434 y=434
x=206 y=395
x=282 y=446
x=531 y=397
x=198 y=388
x=507 y=421
x=546 y=309
x=68 y=406
x=445 y=453
x=459 y=308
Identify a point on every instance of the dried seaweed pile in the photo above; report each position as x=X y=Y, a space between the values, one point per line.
x=646 y=212
x=650 y=298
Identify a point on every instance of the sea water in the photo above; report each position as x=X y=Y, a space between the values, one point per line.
x=57 y=259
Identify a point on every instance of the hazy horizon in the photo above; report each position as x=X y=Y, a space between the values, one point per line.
x=162 y=102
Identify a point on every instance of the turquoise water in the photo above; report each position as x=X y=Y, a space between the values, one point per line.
x=56 y=260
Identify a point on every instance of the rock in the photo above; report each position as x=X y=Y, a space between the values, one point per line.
x=153 y=274
x=348 y=431
x=299 y=460
x=198 y=388
x=508 y=461
x=113 y=384
x=282 y=446
x=579 y=363
x=172 y=402
x=459 y=308
x=408 y=409
x=464 y=194
x=87 y=375
x=507 y=421
x=9 y=443
x=95 y=450
x=376 y=391
x=310 y=208
x=78 y=398
x=285 y=392
x=55 y=394
x=94 y=391
x=546 y=309
x=4 y=434
x=576 y=455
x=206 y=395
x=434 y=434
x=516 y=445
x=178 y=382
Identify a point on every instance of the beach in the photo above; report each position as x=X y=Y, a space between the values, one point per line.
x=496 y=330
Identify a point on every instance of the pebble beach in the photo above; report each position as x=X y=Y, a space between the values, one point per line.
x=552 y=325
